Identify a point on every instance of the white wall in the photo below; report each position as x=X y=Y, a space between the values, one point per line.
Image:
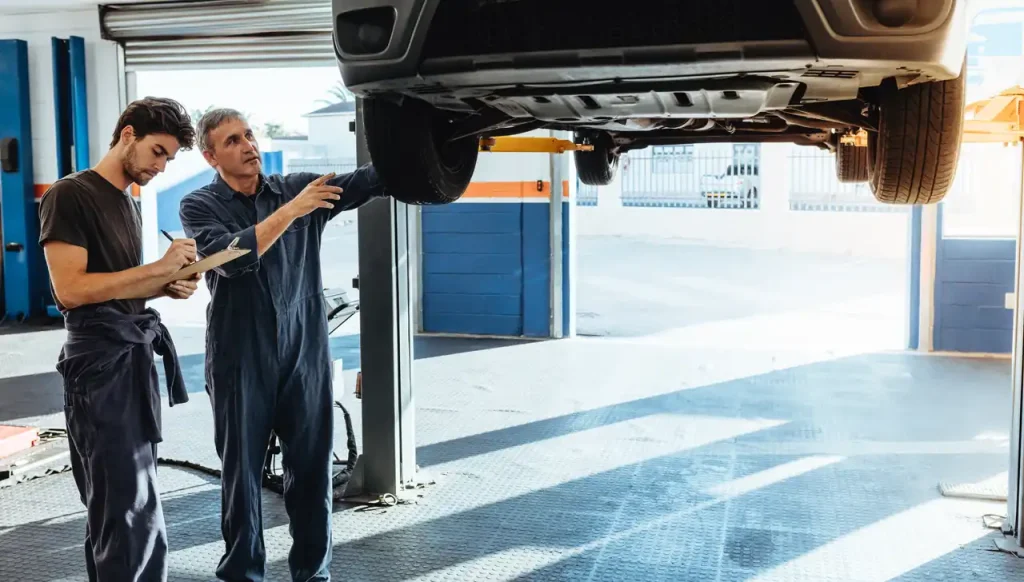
x=101 y=79
x=332 y=132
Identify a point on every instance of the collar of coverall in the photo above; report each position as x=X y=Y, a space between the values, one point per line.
x=220 y=187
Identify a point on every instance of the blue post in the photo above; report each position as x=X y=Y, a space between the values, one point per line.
x=19 y=223
x=273 y=162
x=79 y=102
x=914 y=282
x=62 y=105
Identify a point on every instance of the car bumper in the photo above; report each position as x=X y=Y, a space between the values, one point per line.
x=835 y=33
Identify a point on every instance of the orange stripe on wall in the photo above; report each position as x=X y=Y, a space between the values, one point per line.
x=513 y=190
x=510 y=190
x=41 y=189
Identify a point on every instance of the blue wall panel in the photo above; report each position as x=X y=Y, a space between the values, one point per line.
x=536 y=269
x=972 y=278
x=472 y=273
x=476 y=222
x=492 y=263
x=482 y=283
x=486 y=268
x=459 y=323
x=454 y=243
x=473 y=304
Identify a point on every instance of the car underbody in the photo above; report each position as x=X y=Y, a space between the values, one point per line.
x=792 y=108
x=870 y=80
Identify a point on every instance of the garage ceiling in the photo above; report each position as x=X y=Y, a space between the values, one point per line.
x=29 y=6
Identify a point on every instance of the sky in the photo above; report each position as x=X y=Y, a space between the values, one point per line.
x=267 y=95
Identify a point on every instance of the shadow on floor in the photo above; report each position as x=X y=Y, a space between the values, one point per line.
x=848 y=401
x=977 y=560
x=35 y=324
x=665 y=518
x=32 y=395
x=660 y=520
x=42 y=394
x=190 y=523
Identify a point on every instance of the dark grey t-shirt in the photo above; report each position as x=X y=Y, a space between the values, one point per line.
x=85 y=210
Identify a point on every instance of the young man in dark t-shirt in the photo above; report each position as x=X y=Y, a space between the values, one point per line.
x=91 y=234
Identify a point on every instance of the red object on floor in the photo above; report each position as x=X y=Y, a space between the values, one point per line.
x=14 y=439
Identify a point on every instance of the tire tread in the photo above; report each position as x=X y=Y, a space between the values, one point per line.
x=918 y=143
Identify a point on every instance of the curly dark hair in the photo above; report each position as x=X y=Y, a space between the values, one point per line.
x=151 y=115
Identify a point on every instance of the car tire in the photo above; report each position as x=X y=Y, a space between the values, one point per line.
x=409 y=146
x=851 y=164
x=598 y=166
x=913 y=157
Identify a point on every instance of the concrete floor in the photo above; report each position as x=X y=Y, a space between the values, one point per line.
x=646 y=286
x=723 y=449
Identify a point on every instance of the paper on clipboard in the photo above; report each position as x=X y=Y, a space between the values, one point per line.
x=211 y=262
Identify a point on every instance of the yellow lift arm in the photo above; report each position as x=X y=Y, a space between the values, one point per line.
x=533 y=145
x=997 y=119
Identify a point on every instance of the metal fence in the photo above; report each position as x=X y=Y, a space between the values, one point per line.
x=585 y=195
x=701 y=176
x=813 y=186
x=691 y=177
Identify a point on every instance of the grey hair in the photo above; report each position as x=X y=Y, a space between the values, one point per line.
x=210 y=121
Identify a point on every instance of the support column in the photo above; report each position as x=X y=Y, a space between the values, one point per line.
x=386 y=330
x=925 y=304
x=1015 y=493
x=557 y=252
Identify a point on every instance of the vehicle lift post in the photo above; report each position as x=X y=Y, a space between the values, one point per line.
x=385 y=382
x=22 y=277
x=1000 y=119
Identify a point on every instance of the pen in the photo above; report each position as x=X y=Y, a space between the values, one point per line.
x=171 y=238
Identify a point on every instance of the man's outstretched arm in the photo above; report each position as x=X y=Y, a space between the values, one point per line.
x=356 y=188
x=202 y=222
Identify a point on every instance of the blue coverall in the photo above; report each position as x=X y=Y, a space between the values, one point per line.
x=268 y=366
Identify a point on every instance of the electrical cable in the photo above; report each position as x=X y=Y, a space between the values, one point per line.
x=272 y=480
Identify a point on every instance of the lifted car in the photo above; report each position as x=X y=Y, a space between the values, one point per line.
x=878 y=82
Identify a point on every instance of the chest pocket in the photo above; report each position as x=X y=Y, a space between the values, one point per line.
x=300 y=224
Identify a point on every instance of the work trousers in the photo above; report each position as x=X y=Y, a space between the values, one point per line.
x=114 y=465
x=282 y=384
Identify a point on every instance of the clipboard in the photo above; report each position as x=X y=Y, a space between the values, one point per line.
x=213 y=261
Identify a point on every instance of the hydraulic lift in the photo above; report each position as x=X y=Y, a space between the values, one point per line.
x=387 y=250
x=1000 y=119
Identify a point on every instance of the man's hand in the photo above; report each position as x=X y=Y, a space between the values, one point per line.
x=184 y=288
x=182 y=252
x=315 y=195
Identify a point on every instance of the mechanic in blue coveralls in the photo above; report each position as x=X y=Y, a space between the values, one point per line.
x=268 y=366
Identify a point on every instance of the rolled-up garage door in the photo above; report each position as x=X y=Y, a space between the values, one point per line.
x=221 y=33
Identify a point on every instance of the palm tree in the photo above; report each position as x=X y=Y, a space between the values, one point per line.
x=272 y=130
x=197 y=114
x=339 y=93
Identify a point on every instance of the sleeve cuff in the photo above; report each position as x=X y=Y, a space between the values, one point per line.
x=249 y=263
